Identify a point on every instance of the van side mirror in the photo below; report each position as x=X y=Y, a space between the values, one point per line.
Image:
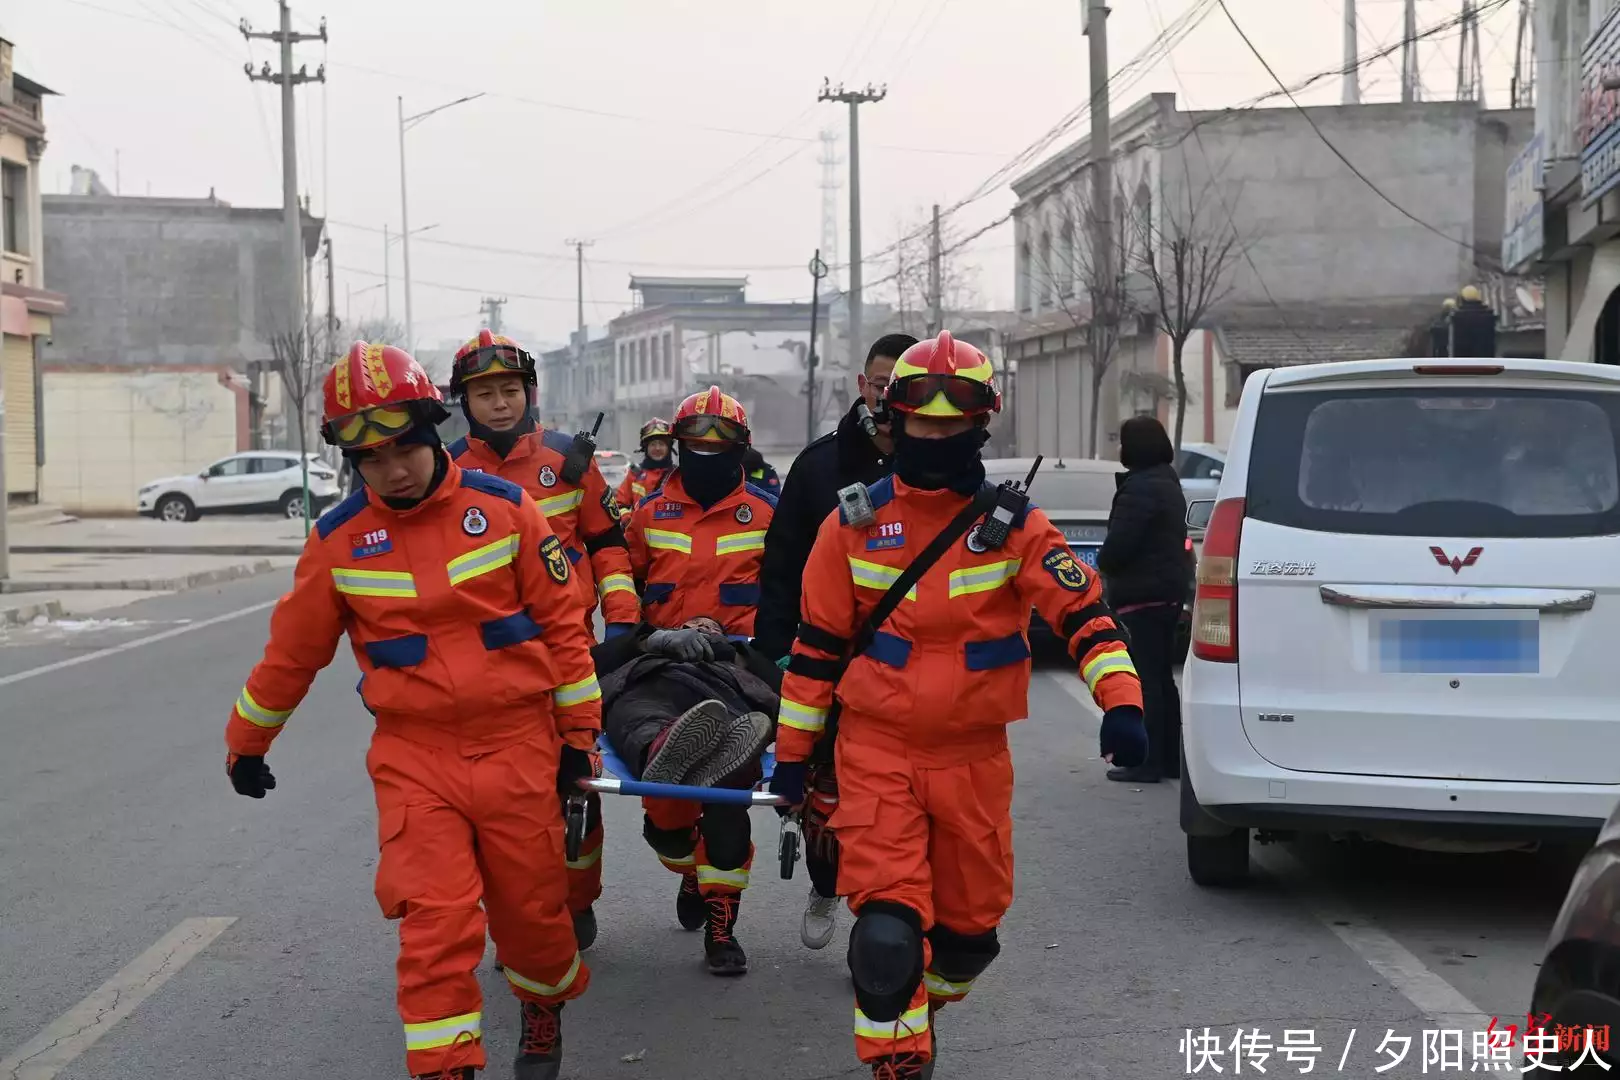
x=1198 y=514
x=1215 y=474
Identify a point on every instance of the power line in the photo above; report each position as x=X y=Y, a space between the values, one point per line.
x=481 y=290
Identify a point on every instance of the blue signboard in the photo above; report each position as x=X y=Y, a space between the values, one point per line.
x=1600 y=111
x=1521 y=232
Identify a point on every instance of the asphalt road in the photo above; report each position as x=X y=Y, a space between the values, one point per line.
x=117 y=825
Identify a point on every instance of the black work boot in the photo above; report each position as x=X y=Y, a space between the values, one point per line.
x=540 y=1045
x=689 y=907
x=903 y=1067
x=585 y=928
x=725 y=956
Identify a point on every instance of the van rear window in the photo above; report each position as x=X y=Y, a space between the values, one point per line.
x=1422 y=461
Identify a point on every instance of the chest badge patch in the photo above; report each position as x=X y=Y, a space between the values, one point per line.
x=548 y=478
x=1065 y=571
x=551 y=550
x=891 y=534
x=975 y=543
x=666 y=510
x=368 y=544
x=474 y=523
x=744 y=514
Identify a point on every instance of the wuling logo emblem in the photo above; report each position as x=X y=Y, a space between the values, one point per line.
x=1454 y=561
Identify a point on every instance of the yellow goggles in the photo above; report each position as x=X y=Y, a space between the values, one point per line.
x=370 y=427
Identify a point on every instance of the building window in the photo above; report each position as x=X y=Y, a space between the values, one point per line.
x=624 y=376
x=641 y=350
x=657 y=356
x=669 y=355
x=1026 y=295
x=1048 y=278
x=1066 y=257
x=14 y=208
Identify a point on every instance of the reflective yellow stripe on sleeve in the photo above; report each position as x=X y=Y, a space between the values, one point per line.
x=561 y=504
x=669 y=541
x=732 y=543
x=373 y=582
x=447 y=1032
x=985 y=578
x=257 y=714
x=911 y=1022
x=479 y=561
x=870 y=575
x=617 y=583
x=576 y=693
x=802 y=717
x=534 y=986
x=1108 y=663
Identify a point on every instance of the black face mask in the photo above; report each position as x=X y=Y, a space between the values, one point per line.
x=648 y=463
x=708 y=478
x=501 y=442
x=939 y=464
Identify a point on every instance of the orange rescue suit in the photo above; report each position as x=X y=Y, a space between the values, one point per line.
x=584 y=516
x=698 y=562
x=476 y=664
x=638 y=483
x=924 y=772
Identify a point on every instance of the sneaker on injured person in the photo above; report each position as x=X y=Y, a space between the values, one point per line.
x=820 y=920
x=734 y=761
x=694 y=735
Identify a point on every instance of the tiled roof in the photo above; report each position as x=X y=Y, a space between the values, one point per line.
x=1315 y=334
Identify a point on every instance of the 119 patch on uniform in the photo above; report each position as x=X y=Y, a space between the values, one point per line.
x=551 y=550
x=365 y=545
x=1064 y=570
x=666 y=510
x=891 y=534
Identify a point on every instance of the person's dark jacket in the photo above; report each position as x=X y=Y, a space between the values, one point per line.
x=842 y=457
x=761 y=473
x=1144 y=559
x=623 y=660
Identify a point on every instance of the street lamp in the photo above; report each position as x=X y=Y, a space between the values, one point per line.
x=406 y=122
x=388 y=296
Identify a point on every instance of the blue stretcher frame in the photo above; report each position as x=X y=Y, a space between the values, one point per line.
x=611 y=762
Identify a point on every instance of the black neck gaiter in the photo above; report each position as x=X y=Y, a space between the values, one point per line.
x=501 y=442
x=649 y=463
x=940 y=464
x=708 y=478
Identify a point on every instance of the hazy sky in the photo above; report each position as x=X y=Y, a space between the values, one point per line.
x=601 y=121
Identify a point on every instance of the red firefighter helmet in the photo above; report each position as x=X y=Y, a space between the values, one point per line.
x=656 y=428
x=710 y=416
x=374 y=394
x=491 y=354
x=944 y=377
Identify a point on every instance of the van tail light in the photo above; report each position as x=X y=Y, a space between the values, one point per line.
x=1215 y=606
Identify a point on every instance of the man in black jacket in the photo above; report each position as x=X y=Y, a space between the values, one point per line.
x=847 y=455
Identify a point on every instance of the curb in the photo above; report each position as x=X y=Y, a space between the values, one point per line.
x=179 y=584
x=23 y=614
x=288 y=548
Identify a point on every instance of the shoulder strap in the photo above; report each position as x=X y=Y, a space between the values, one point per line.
x=976 y=508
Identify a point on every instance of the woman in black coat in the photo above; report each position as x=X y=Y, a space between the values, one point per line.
x=1145 y=570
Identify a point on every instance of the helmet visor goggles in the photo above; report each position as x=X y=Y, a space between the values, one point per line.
x=914 y=392
x=494 y=360
x=707 y=428
x=371 y=427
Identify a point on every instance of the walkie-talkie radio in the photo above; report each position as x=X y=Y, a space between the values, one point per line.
x=1012 y=499
x=581 y=453
x=864 y=417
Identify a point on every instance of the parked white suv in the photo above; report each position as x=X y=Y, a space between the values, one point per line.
x=254 y=482
x=1407 y=612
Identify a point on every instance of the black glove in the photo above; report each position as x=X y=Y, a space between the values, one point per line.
x=1123 y=738
x=690 y=645
x=572 y=767
x=249 y=774
x=787 y=782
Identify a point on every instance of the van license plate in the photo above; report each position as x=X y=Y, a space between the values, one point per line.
x=1087 y=555
x=1447 y=646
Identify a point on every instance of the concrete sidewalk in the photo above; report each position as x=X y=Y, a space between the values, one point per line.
x=256 y=535
x=54 y=586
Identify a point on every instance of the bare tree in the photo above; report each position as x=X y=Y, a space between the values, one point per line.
x=300 y=361
x=1186 y=257
x=1098 y=291
x=911 y=283
x=385 y=331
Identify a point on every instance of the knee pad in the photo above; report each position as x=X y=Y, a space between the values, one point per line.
x=727 y=836
x=670 y=843
x=962 y=957
x=885 y=958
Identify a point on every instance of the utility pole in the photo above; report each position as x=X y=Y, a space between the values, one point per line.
x=579 y=247
x=388 y=288
x=1410 y=79
x=854 y=99
x=936 y=311
x=1102 y=189
x=405 y=123
x=1352 y=75
x=490 y=308
x=1470 y=80
x=829 y=162
x=331 y=302
x=818 y=270
x=1523 y=86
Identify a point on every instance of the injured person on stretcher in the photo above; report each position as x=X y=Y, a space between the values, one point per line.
x=687 y=706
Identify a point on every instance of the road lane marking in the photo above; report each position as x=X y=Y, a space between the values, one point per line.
x=150 y=639
x=76 y=1030
x=1436 y=998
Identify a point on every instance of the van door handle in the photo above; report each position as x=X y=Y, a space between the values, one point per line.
x=1458 y=597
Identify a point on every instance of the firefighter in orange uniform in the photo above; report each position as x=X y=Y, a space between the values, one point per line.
x=495 y=380
x=457 y=601
x=657 y=462
x=924 y=773
x=696 y=543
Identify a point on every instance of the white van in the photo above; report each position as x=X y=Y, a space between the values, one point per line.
x=1408 y=610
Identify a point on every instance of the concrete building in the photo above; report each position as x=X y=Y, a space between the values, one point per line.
x=173 y=289
x=576 y=383
x=28 y=309
x=1319 y=246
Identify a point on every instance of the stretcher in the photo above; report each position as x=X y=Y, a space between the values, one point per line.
x=618 y=784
